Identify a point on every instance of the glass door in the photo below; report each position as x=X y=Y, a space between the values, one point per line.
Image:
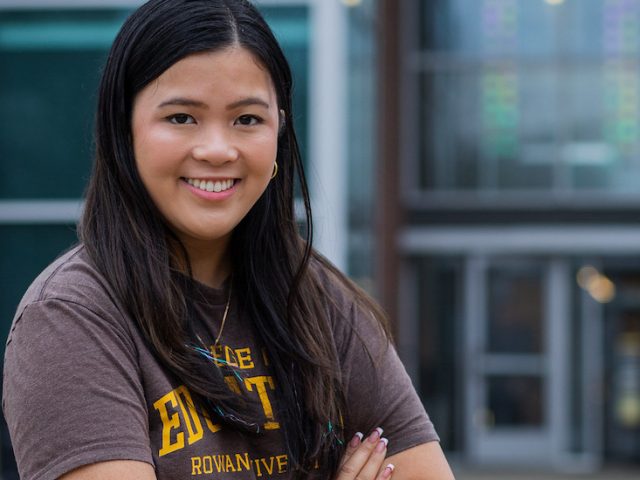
x=622 y=369
x=516 y=318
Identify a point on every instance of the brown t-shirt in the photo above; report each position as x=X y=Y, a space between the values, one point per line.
x=81 y=386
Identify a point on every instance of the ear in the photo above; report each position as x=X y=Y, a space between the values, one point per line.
x=282 y=121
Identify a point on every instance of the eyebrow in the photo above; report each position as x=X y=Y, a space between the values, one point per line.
x=247 y=102
x=183 y=102
x=188 y=102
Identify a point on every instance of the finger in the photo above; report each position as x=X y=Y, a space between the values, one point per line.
x=386 y=472
x=374 y=464
x=359 y=459
x=352 y=446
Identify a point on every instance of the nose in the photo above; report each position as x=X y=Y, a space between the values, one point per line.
x=215 y=146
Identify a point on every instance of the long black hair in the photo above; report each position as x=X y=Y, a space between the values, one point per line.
x=131 y=244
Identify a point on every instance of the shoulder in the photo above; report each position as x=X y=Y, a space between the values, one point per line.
x=70 y=280
x=71 y=276
x=75 y=358
x=333 y=284
x=340 y=296
x=349 y=308
x=338 y=287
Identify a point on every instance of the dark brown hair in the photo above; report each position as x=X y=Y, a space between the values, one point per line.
x=137 y=252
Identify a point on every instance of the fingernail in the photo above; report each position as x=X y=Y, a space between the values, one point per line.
x=375 y=435
x=388 y=470
x=355 y=441
x=382 y=444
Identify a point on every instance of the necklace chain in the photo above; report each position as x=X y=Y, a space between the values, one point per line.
x=224 y=315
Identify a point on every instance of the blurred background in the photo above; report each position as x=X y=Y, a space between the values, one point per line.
x=474 y=164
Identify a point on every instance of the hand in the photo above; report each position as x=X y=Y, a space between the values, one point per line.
x=364 y=458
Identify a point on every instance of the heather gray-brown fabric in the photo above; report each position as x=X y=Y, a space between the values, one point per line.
x=81 y=386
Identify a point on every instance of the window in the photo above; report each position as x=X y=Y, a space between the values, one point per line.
x=526 y=96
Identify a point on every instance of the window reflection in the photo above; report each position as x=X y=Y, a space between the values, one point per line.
x=526 y=95
x=515 y=401
x=515 y=310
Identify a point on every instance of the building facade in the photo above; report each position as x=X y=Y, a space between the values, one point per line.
x=510 y=135
x=505 y=195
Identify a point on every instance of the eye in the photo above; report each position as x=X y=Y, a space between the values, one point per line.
x=248 y=120
x=181 y=119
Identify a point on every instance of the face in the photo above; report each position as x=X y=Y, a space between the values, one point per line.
x=205 y=138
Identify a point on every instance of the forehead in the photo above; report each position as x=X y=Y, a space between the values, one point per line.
x=220 y=74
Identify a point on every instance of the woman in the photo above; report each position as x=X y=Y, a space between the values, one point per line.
x=192 y=332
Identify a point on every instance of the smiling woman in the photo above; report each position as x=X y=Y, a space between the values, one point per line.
x=193 y=331
x=205 y=143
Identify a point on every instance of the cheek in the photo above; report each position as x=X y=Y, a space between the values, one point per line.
x=266 y=153
x=142 y=164
x=154 y=153
x=140 y=146
x=152 y=144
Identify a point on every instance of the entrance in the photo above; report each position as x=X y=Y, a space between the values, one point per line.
x=516 y=331
x=622 y=370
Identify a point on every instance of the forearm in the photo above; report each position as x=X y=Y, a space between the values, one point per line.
x=423 y=462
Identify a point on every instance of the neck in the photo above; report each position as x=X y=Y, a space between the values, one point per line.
x=210 y=263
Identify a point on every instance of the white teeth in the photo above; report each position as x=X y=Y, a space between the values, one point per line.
x=210 y=185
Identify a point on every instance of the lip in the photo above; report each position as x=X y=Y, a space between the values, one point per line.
x=211 y=195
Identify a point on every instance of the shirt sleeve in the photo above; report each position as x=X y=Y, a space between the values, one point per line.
x=379 y=390
x=72 y=392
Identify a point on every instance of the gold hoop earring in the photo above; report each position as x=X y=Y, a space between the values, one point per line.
x=275 y=170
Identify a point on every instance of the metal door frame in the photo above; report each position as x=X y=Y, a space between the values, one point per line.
x=545 y=444
x=559 y=245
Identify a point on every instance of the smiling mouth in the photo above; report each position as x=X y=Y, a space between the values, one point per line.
x=211 y=185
